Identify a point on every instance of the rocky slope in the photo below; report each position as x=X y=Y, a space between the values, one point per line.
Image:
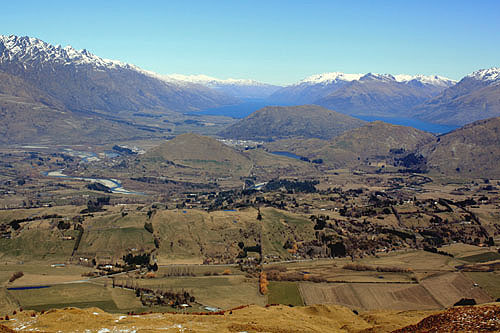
x=305 y=121
x=475 y=97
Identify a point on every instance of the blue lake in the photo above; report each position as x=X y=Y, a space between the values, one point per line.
x=251 y=105
x=236 y=111
x=286 y=153
x=418 y=124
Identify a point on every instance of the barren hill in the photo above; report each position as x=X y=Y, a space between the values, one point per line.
x=320 y=318
x=280 y=122
x=374 y=140
x=470 y=151
x=378 y=138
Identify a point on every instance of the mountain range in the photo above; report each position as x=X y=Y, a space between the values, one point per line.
x=475 y=97
x=82 y=81
x=238 y=88
x=59 y=88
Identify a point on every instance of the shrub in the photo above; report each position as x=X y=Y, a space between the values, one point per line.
x=16 y=276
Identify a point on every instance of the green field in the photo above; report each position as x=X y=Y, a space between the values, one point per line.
x=284 y=292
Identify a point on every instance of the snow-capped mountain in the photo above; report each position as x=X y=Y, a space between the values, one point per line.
x=384 y=95
x=317 y=87
x=490 y=75
x=329 y=78
x=475 y=97
x=84 y=81
x=239 y=88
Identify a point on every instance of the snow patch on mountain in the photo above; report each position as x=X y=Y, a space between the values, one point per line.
x=212 y=81
x=434 y=80
x=488 y=75
x=338 y=77
x=31 y=51
x=328 y=78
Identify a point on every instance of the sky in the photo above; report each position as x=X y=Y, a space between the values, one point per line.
x=277 y=42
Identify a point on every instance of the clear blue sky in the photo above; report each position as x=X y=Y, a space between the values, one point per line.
x=271 y=41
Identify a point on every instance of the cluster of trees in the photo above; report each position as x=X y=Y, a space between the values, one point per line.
x=95 y=205
x=306 y=186
x=16 y=276
x=139 y=259
x=361 y=267
x=15 y=223
x=435 y=250
x=99 y=187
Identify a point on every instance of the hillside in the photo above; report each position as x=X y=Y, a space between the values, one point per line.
x=382 y=95
x=378 y=138
x=28 y=115
x=305 y=121
x=320 y=318
x=475 y=97
x=470 y=151
x=192 y=149
x=196 y=159
x=372 y=141
x=81 y=80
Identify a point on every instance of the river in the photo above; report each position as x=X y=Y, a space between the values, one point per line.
x=114 y=184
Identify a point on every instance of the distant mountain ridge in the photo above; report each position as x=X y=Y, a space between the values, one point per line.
x=383 y=95
x=317 y=88
x=475 y=97
x=239 y=88
x=81 y=80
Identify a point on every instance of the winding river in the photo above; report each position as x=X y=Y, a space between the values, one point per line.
x=114 y=185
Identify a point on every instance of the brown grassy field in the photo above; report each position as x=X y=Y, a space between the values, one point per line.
x=369 y=296
x=449 y=288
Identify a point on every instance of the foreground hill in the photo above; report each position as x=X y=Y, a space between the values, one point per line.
x=81 y=80
x=324 y=318
x=475 y=97
x=280 y=122
x=470 y=151
x=383 y=95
